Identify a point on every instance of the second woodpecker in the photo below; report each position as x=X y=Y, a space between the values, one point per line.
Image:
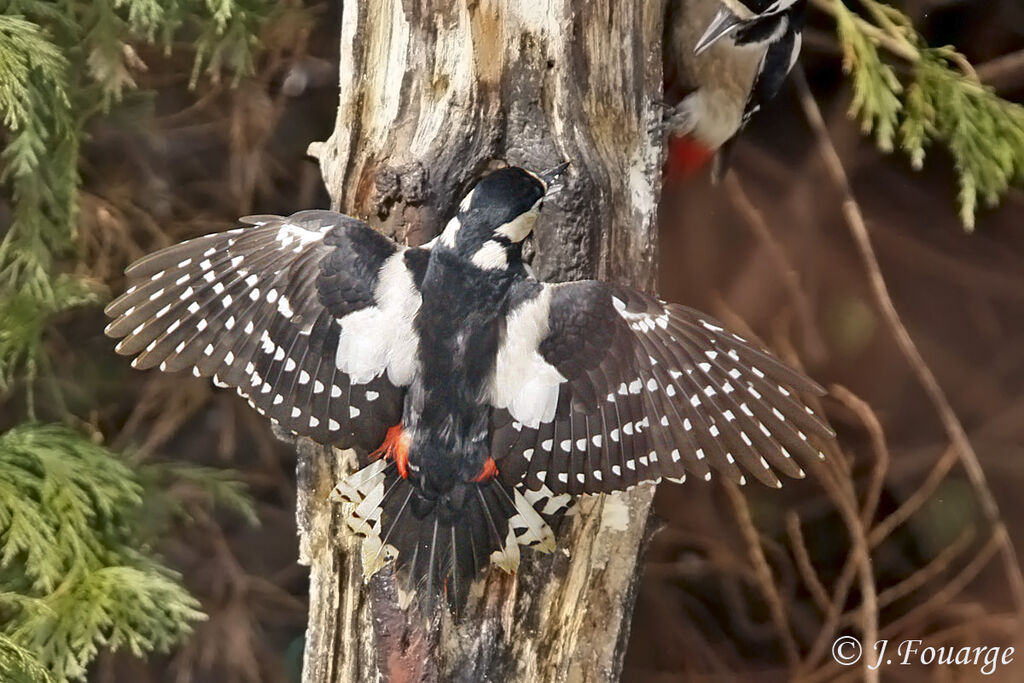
x=726 y=59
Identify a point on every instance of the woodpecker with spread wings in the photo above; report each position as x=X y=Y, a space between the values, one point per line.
x=729 y=58
x=480 y=400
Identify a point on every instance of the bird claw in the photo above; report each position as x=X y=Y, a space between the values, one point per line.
x=675 y=121
x=680 y=121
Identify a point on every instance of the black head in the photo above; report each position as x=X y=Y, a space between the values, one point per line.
x=760 y=8
x=749 y=21
x=498 y=214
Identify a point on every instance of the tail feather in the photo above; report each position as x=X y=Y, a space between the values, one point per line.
x=686 y=156
x=438 y=554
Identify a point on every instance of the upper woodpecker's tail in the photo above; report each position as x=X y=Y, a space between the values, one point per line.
x=437 y=550
x=686 y=156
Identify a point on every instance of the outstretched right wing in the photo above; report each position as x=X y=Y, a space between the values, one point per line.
x=309 y=317
x=600 y=387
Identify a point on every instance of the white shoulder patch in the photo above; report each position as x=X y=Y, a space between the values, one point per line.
x=381 y=338
x=524 y=382
x=519 y=227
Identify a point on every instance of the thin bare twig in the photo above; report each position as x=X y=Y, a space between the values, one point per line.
x=918 y=498
x=878 y=445
x=1003 y=73
x=803 y=562
x=839 y=486
x=790 y=277
x=763 y=572
x=948 y=591
x=934 y=568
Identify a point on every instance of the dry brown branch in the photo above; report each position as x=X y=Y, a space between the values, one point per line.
x=950 y=590
x=804 y=564
x=790 y=277
x=955 y=431
x=165 y=405
x=920 y=496
x=858 y=564
x=763 y=572
x=1003 y=73
x=922 y=576
x=1002 y=624
x=836 y=478
x=878 y=445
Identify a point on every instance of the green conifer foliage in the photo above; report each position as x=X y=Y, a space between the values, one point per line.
x=942 y=102
x=78 y=572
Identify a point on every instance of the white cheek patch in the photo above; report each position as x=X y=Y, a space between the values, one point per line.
x=447 y=237
x=519 y=227
x=467 y=201
x=798 y=41
x=524 y=382
x=490 y=256
x=381 y=338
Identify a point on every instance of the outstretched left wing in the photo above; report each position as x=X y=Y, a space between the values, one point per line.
x=600 y=387
x=308 y=317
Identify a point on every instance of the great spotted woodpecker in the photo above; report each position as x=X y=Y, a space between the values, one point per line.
x=480 y=400
x=729 y=57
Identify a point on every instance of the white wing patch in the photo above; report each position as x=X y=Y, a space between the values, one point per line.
x=381 y=338
x=290 y=234
x=524 y=383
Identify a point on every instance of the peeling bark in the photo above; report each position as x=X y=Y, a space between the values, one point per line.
x=432 y=92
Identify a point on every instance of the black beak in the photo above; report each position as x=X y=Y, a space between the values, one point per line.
x=724 y=23
x=550 y=177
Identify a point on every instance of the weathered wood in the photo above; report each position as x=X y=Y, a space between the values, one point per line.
x=431 y=93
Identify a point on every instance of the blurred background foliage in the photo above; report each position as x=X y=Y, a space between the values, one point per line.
x=129 y=549
x=89 y=513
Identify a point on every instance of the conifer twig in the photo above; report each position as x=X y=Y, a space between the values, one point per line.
x=941 y=98
x=896 y=45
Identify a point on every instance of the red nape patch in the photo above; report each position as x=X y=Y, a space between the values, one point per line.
x=395 y=447
x=686 y=156
x=490 y=471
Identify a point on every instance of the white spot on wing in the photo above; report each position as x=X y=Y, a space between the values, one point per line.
x=289 y=235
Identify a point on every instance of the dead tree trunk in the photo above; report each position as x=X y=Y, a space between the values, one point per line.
x=432 y=92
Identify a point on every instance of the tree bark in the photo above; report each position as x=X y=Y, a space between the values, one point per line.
x=432 y=93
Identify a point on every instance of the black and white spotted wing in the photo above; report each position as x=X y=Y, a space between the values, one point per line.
x=599 y=387
x=308 y=317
